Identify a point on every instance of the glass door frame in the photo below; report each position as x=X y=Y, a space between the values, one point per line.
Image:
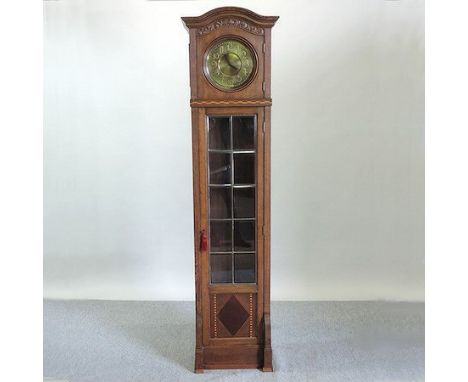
x=206 y=287
x=234 y=153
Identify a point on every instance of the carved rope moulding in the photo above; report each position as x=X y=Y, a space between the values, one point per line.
x=231 y=22
x=234 y=102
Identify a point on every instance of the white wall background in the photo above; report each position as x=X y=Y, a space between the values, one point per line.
x=347 y=149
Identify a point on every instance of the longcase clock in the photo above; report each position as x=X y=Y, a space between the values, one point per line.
x=230 y=54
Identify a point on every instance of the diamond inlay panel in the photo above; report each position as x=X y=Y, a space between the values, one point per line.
x=233 y=315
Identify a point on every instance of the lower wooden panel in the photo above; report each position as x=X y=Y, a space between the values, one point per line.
x=233 y=357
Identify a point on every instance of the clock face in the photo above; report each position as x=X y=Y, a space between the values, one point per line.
x=229 y=64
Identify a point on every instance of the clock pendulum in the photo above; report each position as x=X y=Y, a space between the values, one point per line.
x=230 y=77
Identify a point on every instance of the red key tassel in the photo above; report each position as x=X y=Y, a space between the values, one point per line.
x=203 y=241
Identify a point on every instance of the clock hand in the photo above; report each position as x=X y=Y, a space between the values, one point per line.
x=233 y=61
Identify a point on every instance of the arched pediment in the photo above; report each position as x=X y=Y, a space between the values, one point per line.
x=233 y=17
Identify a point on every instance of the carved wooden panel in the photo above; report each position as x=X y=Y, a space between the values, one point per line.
x=233 y=315
x=231 y=22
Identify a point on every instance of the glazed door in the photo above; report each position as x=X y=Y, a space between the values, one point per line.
x=233 y=224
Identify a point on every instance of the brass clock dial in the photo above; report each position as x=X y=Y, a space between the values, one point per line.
x=229 y=64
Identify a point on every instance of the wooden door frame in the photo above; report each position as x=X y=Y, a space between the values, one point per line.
x=203 y=286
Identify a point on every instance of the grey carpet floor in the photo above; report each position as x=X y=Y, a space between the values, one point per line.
x=120 y=341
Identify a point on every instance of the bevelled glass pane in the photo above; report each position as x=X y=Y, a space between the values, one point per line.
x=244 y=268
x=244 y=235
x=221 y=268
x=244 y=202
x=244 y=168
x=220 y=236
x=220 y=168
x=220 y=202
x=219 y=133
x=243 y=133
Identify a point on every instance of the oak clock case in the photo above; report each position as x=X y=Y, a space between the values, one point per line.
x=230 y=54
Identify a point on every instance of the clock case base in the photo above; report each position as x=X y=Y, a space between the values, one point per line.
x=233 y=357
x=237 y=357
